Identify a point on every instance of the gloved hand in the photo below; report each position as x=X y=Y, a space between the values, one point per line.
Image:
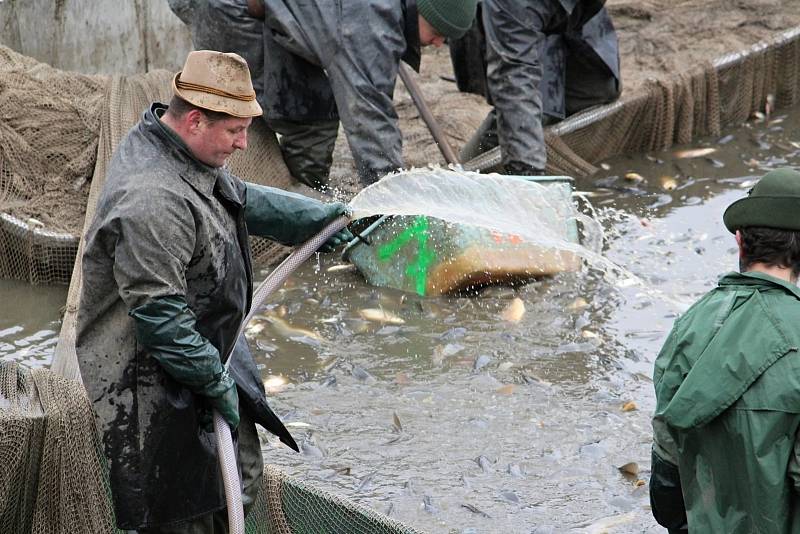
x=342 y=236
x=223 y=397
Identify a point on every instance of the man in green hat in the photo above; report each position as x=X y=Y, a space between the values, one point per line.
x=332 y=60
x=726 y=452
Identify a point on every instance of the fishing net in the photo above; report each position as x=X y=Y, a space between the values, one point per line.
x=54 y=478
x=286 y=505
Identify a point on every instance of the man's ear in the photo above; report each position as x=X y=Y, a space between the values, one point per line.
x=192 y=120
x=739 y=242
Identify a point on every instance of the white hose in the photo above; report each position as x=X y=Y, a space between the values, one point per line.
x=225 y=451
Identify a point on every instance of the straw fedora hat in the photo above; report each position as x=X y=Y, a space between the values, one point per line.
x=217 y=81
x=774 y=202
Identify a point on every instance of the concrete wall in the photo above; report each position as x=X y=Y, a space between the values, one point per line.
x=96 y=36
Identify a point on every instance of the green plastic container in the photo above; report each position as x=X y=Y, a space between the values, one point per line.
x=429 y=256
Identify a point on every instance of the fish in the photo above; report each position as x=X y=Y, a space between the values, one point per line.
x=514 y=311
x=297 y=424
x=508 y=389
x=475 y=510
x=604 y=525
x=288 y=331
x=344 y=267
x=629 y=406
x=275 y=384
x=397 y=426
x=631 y=468
x=578 y=304
x=365 y=482
x=378 y=315
x=634 y=177
x=694 y=152
x=668 y=183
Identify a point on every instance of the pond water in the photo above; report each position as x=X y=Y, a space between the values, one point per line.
x=459 y=421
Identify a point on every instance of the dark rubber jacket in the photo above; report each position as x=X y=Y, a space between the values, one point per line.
x=170 y=230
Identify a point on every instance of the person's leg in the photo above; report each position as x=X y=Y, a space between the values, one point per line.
x=589 y=82
x=307 y=148
x=205 y=524
x=483 y=140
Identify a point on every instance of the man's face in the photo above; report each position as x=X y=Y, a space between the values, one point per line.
x=428 y=35
x=214 y=141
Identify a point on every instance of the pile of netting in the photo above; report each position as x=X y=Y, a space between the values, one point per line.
x=54 y=479
x=58 y=130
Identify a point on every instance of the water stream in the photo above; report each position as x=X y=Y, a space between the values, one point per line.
x=458 y=421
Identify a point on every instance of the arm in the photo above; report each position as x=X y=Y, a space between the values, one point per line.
x=151 y=254
x=288 y=218
x=514 y=36
x=666 y=496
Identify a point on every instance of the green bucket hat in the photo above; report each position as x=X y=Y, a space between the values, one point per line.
x=451 y=18
x=774 y=202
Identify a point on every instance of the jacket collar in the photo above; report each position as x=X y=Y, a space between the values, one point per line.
x=758 y=279
x=412 y=55
x=568 y=5
x=200 y=176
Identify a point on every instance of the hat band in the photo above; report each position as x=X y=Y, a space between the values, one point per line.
x=188 y=86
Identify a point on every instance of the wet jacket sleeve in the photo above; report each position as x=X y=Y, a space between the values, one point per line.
x=666 y=495
x=285 y=217
x=514 y=36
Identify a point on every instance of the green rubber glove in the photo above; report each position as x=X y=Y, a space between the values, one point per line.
x=341 y=237
x=166 y=328
x=288 y=218
x=227 y=402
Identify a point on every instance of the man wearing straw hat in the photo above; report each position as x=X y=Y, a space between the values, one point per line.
x=332 y=60
x=167 y=281
x=726 y=451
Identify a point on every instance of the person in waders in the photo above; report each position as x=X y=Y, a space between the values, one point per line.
x=536 y=62
x=726 y=449
x=167 y=280
x=332 y=60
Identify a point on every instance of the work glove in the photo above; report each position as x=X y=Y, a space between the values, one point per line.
x=289 y=218
x=166 y=329
x=341 y=237
x=223 y=397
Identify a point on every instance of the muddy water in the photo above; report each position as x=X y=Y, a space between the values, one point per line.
x=458 y=421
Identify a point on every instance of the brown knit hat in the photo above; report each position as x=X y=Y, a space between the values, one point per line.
x=217 y=81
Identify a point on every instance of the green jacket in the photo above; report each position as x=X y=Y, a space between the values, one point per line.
x=727 y=385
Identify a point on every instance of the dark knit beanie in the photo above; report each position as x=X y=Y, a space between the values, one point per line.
x=451 y=18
